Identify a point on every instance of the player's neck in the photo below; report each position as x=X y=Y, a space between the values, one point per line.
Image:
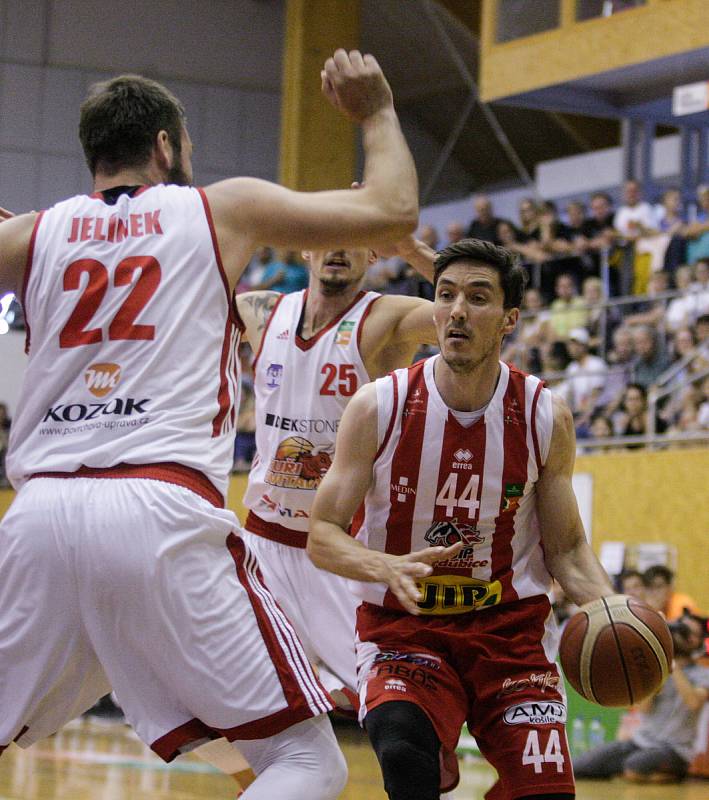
x=469 y=391
x=149 y=175
x=321 y=308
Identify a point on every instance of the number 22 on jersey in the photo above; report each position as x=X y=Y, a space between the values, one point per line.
x=122 y=327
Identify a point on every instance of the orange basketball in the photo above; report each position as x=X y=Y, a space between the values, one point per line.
x=616 y=651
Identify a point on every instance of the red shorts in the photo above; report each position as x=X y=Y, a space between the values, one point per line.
x=492 y=668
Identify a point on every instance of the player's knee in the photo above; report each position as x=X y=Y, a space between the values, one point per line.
x=334 y=775
x=407 y=748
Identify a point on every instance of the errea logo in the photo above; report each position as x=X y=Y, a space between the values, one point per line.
x=462 y=459
x=101 y=379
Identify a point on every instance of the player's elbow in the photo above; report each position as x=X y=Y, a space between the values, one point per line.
x=314 y=545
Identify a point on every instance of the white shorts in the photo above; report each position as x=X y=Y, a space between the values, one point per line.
x=143 y=587
x=318 y=603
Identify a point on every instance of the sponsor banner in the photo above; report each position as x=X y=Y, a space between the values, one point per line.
x=457 y=594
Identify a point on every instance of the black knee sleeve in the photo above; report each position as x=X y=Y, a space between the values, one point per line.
x=407 y=748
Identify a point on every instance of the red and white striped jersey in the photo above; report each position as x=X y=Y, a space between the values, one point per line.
x=132 y=356
x=436 y=482
x=302 y=387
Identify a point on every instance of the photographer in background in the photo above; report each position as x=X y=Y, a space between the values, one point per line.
x=661 y=748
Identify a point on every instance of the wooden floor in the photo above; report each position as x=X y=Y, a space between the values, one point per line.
x=90 y=762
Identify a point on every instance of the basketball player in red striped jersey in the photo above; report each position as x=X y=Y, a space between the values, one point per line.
x=120 y=567
x=461 y=469
x=314 y=349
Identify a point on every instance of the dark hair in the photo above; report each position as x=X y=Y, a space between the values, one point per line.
x=640 y=388
x=658 y=571
x=603 y=195
x=121 y=118
x=627 y=573
x=506 y=263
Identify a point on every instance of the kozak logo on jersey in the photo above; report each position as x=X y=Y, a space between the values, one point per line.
x=101 y=379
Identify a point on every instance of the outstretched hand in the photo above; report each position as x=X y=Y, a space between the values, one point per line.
x=404 y=571
x=5 y=214
x=355 y=84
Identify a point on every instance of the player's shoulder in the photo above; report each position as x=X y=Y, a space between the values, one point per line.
x=363 y=405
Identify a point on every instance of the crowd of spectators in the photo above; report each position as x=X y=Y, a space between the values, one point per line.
x=617 y=305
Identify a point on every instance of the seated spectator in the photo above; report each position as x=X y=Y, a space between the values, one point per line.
x=651 y=359
x=601 y=320
x=600 y=428
x=555 y=239
x=671 y=223
x=555 y=361
x=620 y=368
x=660 y=749
x=253 y=275
x=697 y=232
x=636 y=216
x=284 y=276
x=598 y=228
x=632 y=419
x=455 y=231
x=701 y=284
x=703 y=415
x=484 y=223
x=682 y=310
x=403 y=278
x=528 y=220
x=568 y=310
x=508 y=236
x=631 y=582
x=652 y=310
x=661 y=594
x=585 y=377
x=701 y=329
x=532 y=335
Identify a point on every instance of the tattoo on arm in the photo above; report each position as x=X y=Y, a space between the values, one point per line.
x=261 y=305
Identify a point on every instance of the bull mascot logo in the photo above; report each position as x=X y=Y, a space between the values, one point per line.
x=446 y=533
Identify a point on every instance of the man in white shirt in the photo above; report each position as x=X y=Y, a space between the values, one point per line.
x=636 y=217
x=585 y=376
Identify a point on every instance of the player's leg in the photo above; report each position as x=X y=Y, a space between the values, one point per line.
x=197 y=646
x=407 y=748
x=303 y=761
x=517 y=703
x=50 y=673
x=655 y=765
x=604 y=761
x=225 y=757
x=320 y=607
x=411 y=701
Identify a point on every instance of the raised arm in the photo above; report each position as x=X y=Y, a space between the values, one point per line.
x=248 y=212
x=340 y=494
x=567 y=554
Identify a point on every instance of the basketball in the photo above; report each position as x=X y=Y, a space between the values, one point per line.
x=616 y=651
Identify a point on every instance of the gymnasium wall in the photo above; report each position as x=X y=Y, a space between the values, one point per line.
x=222 y=59
x=637 y=497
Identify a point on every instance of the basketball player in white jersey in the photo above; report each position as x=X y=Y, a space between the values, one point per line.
x=314 y=349
x=462 y=467
x=119 y=565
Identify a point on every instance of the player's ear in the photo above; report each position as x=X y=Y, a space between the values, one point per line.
x=510 y=320
x=306 y=255
x=163 y=150
x=372 y=257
